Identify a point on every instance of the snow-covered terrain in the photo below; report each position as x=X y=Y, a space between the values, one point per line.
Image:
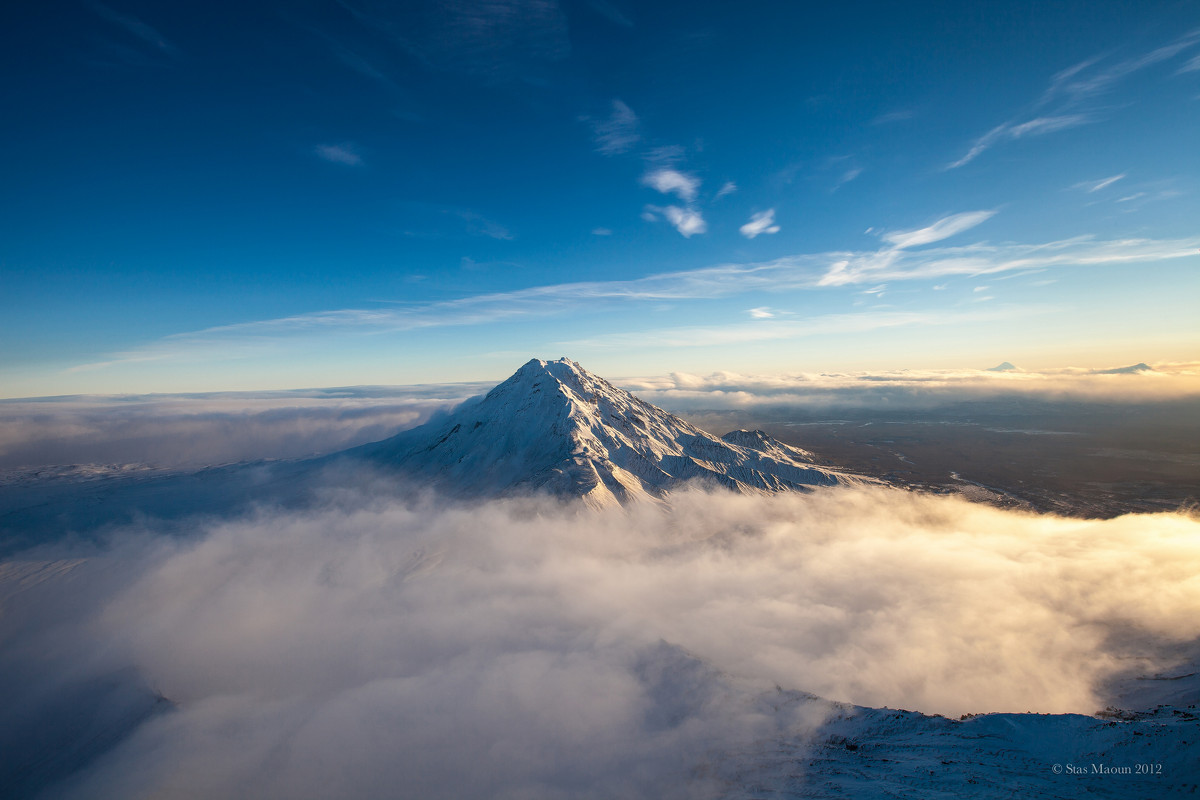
x=553 y=426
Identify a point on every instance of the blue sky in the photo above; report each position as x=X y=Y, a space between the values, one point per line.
x=200 y=196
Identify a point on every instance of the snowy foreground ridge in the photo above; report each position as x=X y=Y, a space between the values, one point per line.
x=555 y=427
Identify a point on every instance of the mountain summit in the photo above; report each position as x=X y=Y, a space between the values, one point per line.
x=555 y=427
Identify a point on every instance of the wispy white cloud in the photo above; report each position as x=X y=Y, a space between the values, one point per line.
x=1081 y=82
x=1151 y=194
x=1041 y=125
x=618 y=132
x=339 y=154
x=496 y=41
x=405 y=104
x=762 y=222
x=420 y=220
x=764 y=329
x=479 y=225
x=847 y=176
x=611 y=13
x=942 y=229
x=1191 y=66
x=1066 y=101
x=672 y=181
x=893 y=116
x=762 y=312
x=601 y=232
x=1013 y=130
x=1095 y=186
x=665 y=156
x=987 y=259
x=136 y=28
x=798 y=272
x=729 y=187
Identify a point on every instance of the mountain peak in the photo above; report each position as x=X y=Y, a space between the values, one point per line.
x=1133 y=369
x=555 y=427
x=564 y=371
x=559 y=366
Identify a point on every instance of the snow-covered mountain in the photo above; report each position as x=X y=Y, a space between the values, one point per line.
x=555 y=427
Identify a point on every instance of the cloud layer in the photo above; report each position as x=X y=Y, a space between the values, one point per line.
x=205 y=429
x=524 y=649
x=908 y=389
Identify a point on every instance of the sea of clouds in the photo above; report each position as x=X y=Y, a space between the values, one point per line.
x=196 y=430
x=918 y=389
x=384 y=643
x=524 y=648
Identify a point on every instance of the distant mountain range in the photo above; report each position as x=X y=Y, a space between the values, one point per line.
x=555 y=427
x=1133 y=369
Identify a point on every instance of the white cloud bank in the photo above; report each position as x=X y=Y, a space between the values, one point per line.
x=197 y=430
x=898 y=389
x=177 y=431
x=516 y=649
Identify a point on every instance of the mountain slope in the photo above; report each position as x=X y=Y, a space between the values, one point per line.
x=553 y=426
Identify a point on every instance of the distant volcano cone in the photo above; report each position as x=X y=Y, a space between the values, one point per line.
x=1133 y=369
x=555 y=427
